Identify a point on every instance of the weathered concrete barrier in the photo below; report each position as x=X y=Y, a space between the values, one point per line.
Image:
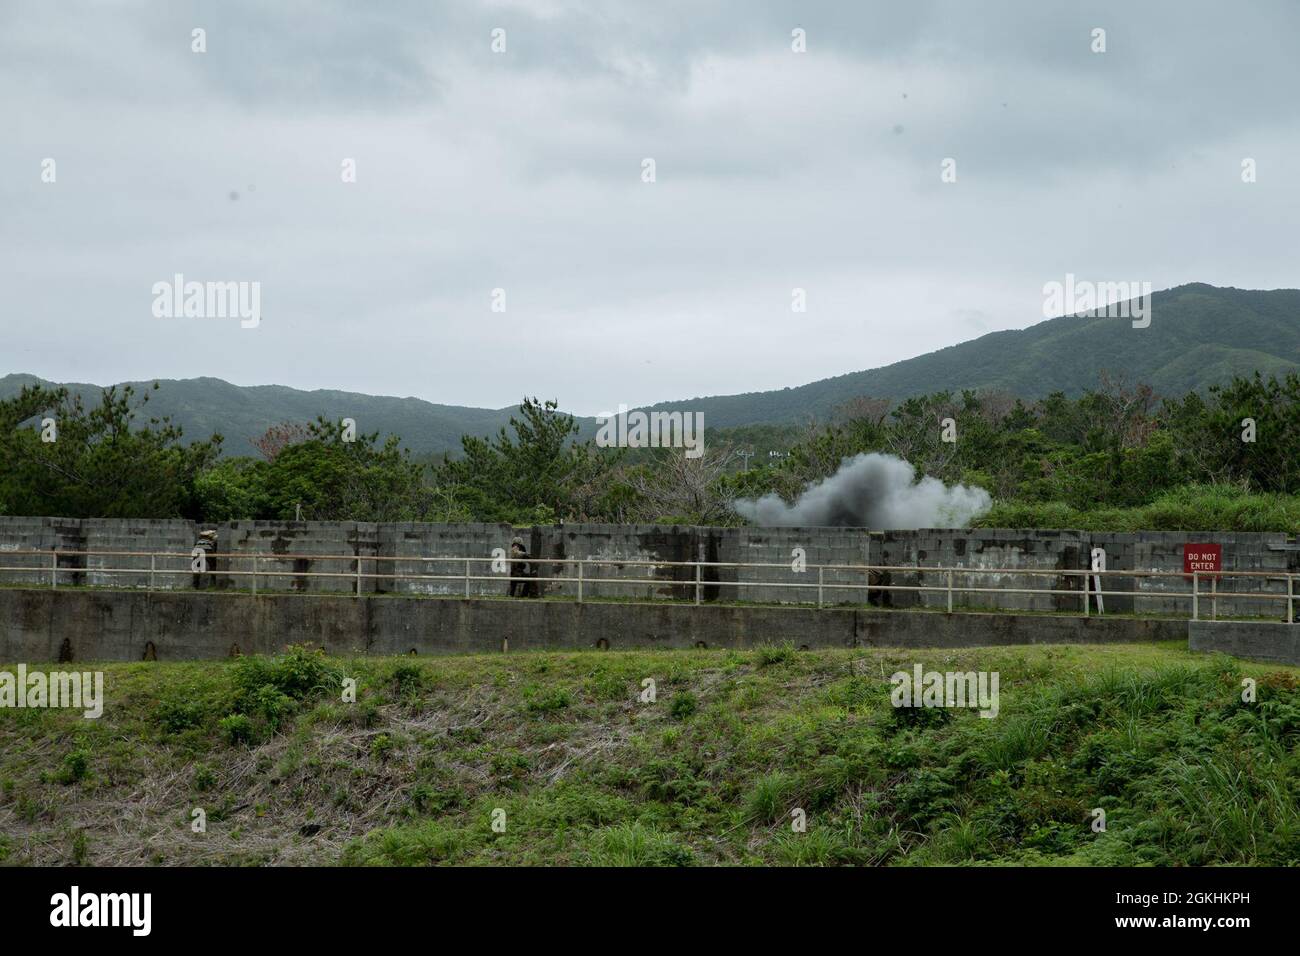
x=318 y=556
x=1252 y=640
x=47 y=625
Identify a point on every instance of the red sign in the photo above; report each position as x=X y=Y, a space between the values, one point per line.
x=1202 y=558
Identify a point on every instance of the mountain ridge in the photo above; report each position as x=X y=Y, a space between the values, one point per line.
x=1199 y=335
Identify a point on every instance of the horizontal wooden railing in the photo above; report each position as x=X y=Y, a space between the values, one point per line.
x=956 y=580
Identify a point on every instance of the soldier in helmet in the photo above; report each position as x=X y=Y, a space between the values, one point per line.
x=519 y=569
x=879 y=579
x=208 y=542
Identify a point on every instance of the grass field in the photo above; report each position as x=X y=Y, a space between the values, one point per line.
x=587 y=773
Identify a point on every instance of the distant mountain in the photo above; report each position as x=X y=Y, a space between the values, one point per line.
x=202 y=406
x=1199 y=335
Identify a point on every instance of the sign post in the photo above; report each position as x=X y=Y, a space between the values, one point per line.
x=1199 y=559
x=1202 y=558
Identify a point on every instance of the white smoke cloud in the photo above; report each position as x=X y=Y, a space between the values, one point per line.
x=873 y=491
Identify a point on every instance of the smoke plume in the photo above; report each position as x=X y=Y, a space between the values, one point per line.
x=872 y=491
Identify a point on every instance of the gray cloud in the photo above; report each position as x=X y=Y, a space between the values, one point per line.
x=478 y=171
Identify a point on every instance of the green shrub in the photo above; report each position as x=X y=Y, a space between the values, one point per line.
x=767 y=799
x=1184 y=508
x=205 y=777
x=273 y=705
x=510 y=763
x=919 y=717
x=770 y=654
x=428 y=799
x=671 y=780
x=408 y=679
x=420 y=844
x=75 y=766
x=683 y=705
x=817 y=846
x=543 y=701
x=632 y=844
x=570 y=804
x=299 y=673
x=364 y=713
x=237 y=729
x=382 y=746
x=175 y=716
x=926 y=794
x=80 y=850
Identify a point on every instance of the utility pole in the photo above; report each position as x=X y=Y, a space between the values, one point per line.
x=746 y=455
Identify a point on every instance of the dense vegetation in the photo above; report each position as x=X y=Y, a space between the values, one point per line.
x=1117 y=458
x=1114 y=458
x=102 y=461
x=586 y=771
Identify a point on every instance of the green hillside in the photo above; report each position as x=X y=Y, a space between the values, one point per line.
x=1199 y=336
x=578 y=769
x=202 y=406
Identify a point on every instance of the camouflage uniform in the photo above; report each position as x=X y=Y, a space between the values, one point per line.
x=207 y=541
x=520 y=569
x=880 y=598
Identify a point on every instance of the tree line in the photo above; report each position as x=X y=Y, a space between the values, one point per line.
x=1117 y=446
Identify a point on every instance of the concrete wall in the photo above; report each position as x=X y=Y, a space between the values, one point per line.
x=95 y=534
x=292 y=556
x=664 y=547
x=292 y=559
x=39 y=625
x=438 y=551
x=619 y=544
x=995 y=550
x=1252 y=640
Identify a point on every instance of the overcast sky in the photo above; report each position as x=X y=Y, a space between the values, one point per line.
x=522 y=170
